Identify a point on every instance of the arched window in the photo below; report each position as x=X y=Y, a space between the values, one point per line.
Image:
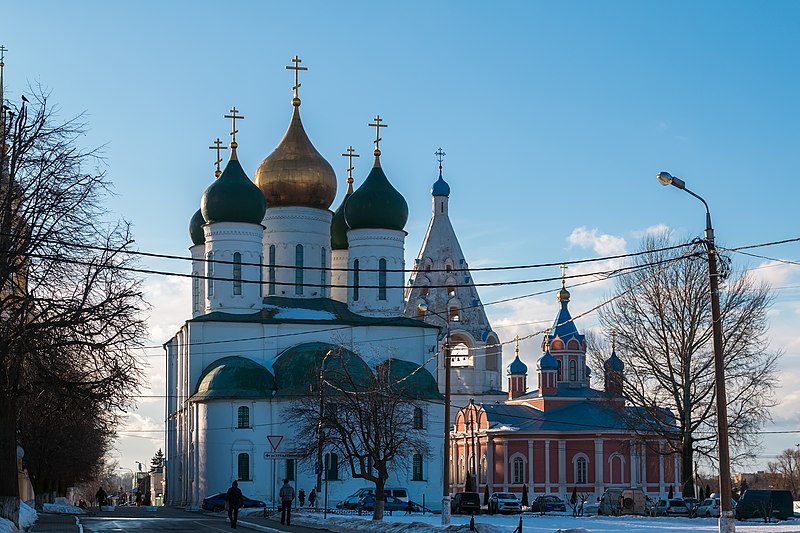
x=237 y=274
x=243 y=417
x=298 y=269
x=428 y=267
x=425 y=290
x=451 y=289
x=461 y=471
x=417 y=422
x=332 y=466
x=448 y=268
x=243 y=466
x=355 y=280
x=616 y=468
x=581 y=470
x=271 y=273
x=518 y=471
x=195 y=292
x=573 y=345
x=454 y=314
x=382 y=279
x=210 y=274
x=322 y=273
x=492 y=354
x=557 y=345
x=573 y=370
x=416 y=468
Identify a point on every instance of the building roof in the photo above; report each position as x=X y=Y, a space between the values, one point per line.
x=234 y=377
x=517 y=367
x=297 y=368
x=376 y=204
x=233 y=197
x=196 y=228
x=574 y=417
x=282 y=310
x=413 y=381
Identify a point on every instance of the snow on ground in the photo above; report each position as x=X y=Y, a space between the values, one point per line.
x=539 y=524
x=61 y=508
x=7 y=527
x=27 y=516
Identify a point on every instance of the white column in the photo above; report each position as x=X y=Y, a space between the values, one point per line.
x=562 y=466
x=598 y=467
x=547 y=467
x=632 y=447
x=643 y=461
x=660 y=467
x=490 y=463
x=530 y=465
x=677 y=483
x=505 y=464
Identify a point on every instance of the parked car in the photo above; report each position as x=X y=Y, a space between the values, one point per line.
x=504 y=502
x=591 y=508
x=367 y=503
x=548 y=503
x=465 y=503
x=758 y=503
x=710 y=507
x=216 y=502
x=670 y=507
x=351 y=502
x=692 y=504
x=616 y=502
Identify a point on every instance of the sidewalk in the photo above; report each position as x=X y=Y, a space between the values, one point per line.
x=56 y=523
x=273 y=525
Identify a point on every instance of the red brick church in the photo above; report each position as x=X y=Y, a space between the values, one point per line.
x=562 y=434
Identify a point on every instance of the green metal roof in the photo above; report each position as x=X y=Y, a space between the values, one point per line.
x=413 y=381
x=196 y=228
x=297 y=368
x=233 y=198
x=234 y=377
x=376 y=204
x=338 y=313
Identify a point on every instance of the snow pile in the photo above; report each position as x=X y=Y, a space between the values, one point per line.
x=27 y=516
x=297 y=313
x=574 y=530
x=61 y=508
x=346 y=524
x=7 y=527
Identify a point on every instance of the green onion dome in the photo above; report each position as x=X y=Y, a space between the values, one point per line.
x=234 y=377
x=233 y=197
x=615 y=363
x=440 y=187
x=196 y=228
x=339 y=225
x=376 y=204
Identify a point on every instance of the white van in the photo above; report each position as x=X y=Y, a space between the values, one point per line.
x=351 y=502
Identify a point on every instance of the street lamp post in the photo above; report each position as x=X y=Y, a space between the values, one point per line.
x=726 y=520
x=446 y=467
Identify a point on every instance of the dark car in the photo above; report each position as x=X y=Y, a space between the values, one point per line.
x=765 y=503
x=367 y=503
x=548 y=503
x=465 y=503
x=216 y=502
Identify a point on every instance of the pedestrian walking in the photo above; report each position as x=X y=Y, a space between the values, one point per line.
x=312 y=498
x=101 y=497
x=233 y=501
x=409 y=507
x=287 y=497
x=301 y=496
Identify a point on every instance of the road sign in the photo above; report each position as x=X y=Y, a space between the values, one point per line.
x=281 y=455
x=275 y=441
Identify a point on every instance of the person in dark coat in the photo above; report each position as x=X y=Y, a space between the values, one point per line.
x=301 y=496
x=287 y=497
x=101 y=497
x=233 y=501
x=312 y=497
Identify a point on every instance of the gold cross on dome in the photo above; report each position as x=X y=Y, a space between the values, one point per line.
x=351 y=153
x=516 y=347
x=377 y=125
x=440 y=157
x=234 y=117
x=563 y=275
x=296 y=68
x=218 y=147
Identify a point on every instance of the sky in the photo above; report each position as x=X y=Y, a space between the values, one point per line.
x=555 y=118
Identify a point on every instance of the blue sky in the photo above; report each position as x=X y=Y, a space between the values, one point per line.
x=555 y=118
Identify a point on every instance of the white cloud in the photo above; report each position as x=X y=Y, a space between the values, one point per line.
x=601 y=243
x=776 y=273
x=170 y=299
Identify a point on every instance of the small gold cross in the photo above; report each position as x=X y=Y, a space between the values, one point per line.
x=440 y=157
x=296 y=68
x=563 y=275
x=350 y=155
x=234 y=117
x=516 y=347
x=377 y=125
x=218 y=147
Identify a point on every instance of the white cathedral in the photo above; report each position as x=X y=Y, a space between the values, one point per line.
x=258 y=334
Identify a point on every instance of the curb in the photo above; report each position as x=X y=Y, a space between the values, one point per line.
x=257 y=527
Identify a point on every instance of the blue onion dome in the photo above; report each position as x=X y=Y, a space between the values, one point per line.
x=233 y=197
x=547 y=362
x=615 y=363
x=338 y=224
x=196 y=228
x=440 y=187
x=517 y=367
x=376 y=204
x=295 y=174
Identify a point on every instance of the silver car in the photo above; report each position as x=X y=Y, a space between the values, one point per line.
x=504 y=502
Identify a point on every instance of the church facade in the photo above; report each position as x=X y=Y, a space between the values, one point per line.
x=278 y=281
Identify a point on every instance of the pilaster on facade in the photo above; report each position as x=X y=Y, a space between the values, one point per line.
x=530 y=464
x=562 y=466
x=547 y=466
x=661 y=467
x=598 y=466
x=490 y=463
x=506 y=465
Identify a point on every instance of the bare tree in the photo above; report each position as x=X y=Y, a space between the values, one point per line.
x=662 y=317
x=365 y=415
x=787 y=468
x=69 y=305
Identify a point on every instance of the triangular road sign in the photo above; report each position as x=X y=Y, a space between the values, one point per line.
x=275 y=441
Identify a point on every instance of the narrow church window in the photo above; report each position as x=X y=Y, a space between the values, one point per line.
x=322 y=273
x=451 y=290
x=298 y=270
x=289 y=470
x=382 y=279
x=355 y=279
x=559 y=369
x=573 y=370
x=416 y=470
x=332 y=467
x=271 y=273
x=428 y=267
x=243 y=464
x=260 y=275
x=195 y=292
x=417 y=424
x=442 y=207
x=237 y=274
x=243 y=417
x=580 y=470
x=426 y=290
x=210 y=273
x=518 y=471
x=454 y=316
x=448 y=268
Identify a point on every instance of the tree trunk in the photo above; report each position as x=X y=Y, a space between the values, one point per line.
x=9 y=484
x=380 y=498
x=687 y=471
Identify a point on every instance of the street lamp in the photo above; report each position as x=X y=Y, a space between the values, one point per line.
x=446 y=467
x=726 y=520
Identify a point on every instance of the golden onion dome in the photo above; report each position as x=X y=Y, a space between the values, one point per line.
x=295 y=174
